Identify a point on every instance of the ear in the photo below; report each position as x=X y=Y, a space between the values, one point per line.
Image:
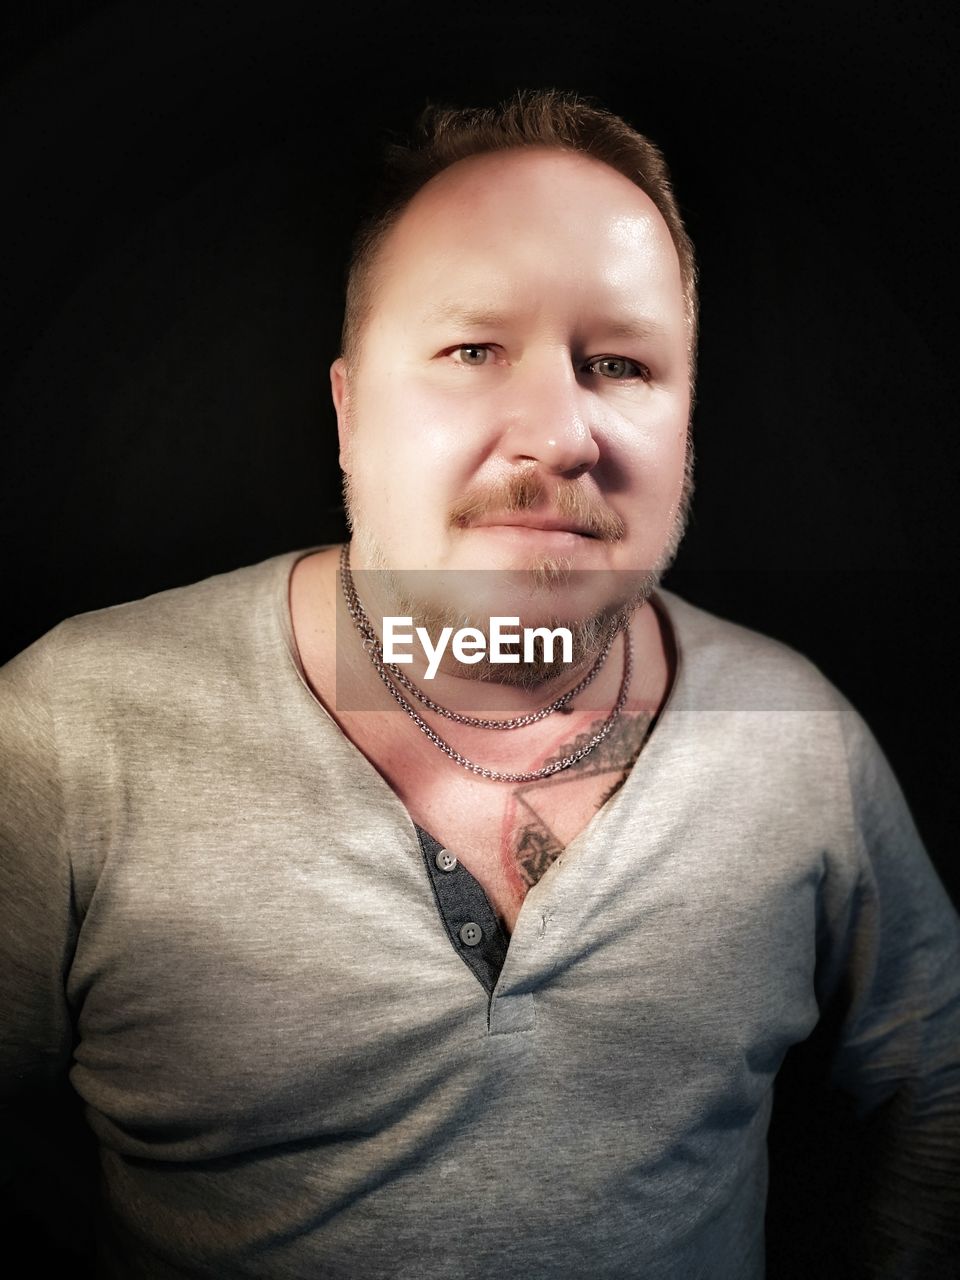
x=341 y=402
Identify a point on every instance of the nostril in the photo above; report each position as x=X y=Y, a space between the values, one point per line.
x=579 y=470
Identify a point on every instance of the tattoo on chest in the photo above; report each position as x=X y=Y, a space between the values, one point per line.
x=531 y=843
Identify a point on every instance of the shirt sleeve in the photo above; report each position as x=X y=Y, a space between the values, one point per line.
x=896 y=960
x=38 y=926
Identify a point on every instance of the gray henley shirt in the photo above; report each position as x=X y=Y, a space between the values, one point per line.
x=223 y=923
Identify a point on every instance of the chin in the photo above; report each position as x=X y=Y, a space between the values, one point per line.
x=488 y=577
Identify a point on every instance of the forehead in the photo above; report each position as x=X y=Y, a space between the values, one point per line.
x=528 y=222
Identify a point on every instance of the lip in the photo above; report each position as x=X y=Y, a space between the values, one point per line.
x=534 y=539
x=534 y=524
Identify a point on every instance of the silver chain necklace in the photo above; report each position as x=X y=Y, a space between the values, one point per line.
x=371 y=646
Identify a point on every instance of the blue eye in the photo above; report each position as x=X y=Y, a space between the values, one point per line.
x=618 y=368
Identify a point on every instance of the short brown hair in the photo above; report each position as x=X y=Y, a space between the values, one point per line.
x=541 y=118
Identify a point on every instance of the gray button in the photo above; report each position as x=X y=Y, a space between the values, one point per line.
x=445 y=860
x=471 y=933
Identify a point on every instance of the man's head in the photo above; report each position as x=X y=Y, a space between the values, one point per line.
x=542 y=119
x=518 y=355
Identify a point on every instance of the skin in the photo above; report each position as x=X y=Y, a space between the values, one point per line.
x=526 y=356
x=490 y=378
x=529 y=844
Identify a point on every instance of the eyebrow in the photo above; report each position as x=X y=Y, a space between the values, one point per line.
x=451 y=313
x=639 y=328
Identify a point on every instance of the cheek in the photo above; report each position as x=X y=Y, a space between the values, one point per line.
x=430 y=433
x=653 y=445
x=405 y=450
x=670 y=468
x=675 y=450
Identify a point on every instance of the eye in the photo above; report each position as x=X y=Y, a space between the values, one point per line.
x=618 y=368
x=471 y=354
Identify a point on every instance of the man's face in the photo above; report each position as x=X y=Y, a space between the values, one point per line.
x=524 y=366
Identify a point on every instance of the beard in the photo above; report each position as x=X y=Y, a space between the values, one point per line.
x=590 y=634
x=408 y=593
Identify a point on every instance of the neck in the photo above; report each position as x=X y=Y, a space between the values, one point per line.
x=466 y=669
x=494 y=689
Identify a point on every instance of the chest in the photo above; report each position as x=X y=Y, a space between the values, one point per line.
x=506 y=835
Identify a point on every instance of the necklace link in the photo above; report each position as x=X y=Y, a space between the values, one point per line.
x=371 y=646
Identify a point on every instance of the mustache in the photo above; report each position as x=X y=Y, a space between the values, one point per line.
x=524 y=491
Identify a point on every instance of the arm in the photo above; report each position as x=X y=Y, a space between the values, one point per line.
x=892 y=967
x=40 y=1134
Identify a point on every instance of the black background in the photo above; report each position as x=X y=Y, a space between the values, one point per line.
x=181 y=181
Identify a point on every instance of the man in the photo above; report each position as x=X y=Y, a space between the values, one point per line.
x=364 y=971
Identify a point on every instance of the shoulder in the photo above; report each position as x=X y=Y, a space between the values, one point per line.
x=172 y=636
x=729 y=666
x=779 y=716
x=767 y=706
x=756 y=710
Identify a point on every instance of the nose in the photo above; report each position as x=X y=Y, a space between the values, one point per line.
x=549 y=417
